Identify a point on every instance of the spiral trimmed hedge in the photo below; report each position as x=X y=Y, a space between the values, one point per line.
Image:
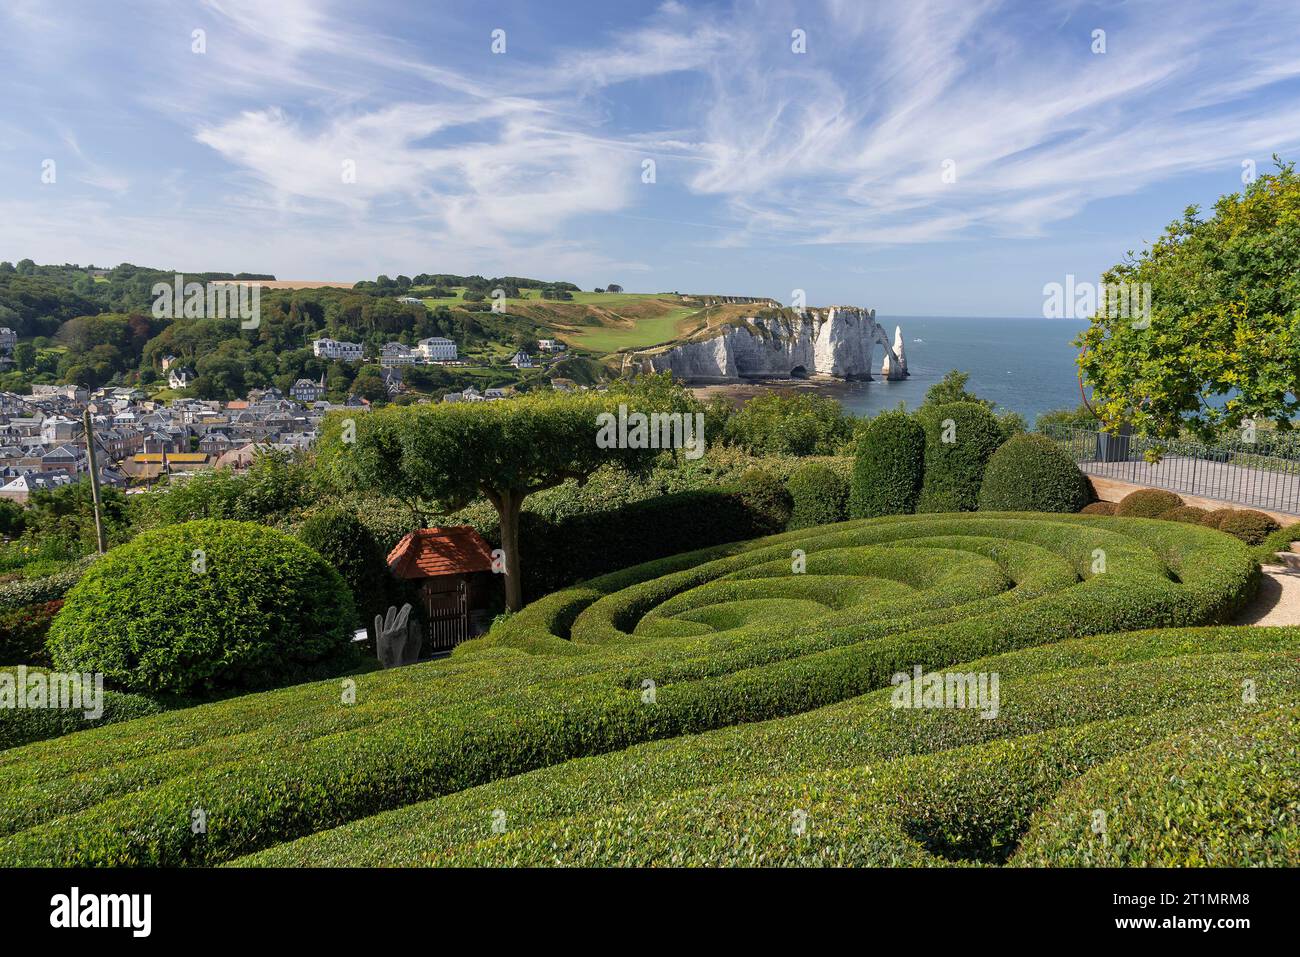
x=692 y=643
x=205 y=607
x=936 y=785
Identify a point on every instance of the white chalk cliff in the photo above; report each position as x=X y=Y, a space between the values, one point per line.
x=838 y=342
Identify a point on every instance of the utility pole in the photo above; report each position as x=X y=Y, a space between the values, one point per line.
x=94 y=481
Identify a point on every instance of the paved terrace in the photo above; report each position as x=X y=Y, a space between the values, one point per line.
x=1266 y=489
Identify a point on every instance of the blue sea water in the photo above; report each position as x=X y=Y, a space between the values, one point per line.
x=1024 y=365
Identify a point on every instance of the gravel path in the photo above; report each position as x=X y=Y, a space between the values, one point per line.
x=1278 y=601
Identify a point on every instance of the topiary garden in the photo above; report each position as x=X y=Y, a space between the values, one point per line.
x=757 y=676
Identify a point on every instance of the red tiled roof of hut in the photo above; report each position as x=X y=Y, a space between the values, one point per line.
x=429 y=552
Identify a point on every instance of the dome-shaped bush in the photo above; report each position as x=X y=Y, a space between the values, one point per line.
x=766 y=498
x=1098 y=508
x=1147 y=503
x=820 y=494
x=347 y=544
x=888 y=467
x=1029 y=473
x=1184 y=513
x=960 y=437
x=206 y=607
x=1250 y=526
x=1214 y=516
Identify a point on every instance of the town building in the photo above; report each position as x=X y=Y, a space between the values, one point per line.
x=396 y=354
x=437 y=349
x=306 y=391
x=336 y=349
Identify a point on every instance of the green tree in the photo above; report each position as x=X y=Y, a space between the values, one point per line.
x=449 y=454
x=1221 y=343
x=24 y=356
x=952 y=388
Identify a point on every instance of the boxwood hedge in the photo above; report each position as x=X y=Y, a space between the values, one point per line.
x=1030 y=473
x=819 y=494
x=960 y=437
x=888 y=467
x=724 y=636
x=1122 y=683
x=205 y=607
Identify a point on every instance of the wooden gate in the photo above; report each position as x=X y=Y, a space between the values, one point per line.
x=446 y=609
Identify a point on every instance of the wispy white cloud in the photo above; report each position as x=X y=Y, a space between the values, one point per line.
x=538 y=153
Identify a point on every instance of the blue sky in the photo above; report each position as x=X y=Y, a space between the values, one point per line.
x=774 y=170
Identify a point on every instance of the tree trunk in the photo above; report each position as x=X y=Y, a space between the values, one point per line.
x=508 y=512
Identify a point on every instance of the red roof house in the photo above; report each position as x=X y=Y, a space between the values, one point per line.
x=453 y=567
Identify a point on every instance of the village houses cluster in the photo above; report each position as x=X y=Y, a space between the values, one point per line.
x=43 y=442
x=138 y=439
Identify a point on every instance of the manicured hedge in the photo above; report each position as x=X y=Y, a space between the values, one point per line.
x=1223 y=795
x=820 y=496
x=767 y=499
x=729 y=635
x=340 y=538
x=1279 y=541
x=204 y=608
x=1183 y=513
x=23 y=725
x=1050 y=687
x=556 y=554
x=1215 y=516
x=1250 y=526
x=960 y=437
x=1147 y=503
x=1098 y=508
x=1030 y=473
x=888 y=467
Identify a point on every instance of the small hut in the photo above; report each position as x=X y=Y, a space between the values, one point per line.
x=453 y=567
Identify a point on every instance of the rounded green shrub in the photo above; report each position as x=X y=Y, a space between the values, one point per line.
x=1030 y=473
x=1214 y=516
x=206 y=607
x=960 y=438
x=766 y=498
x=1184 y=513
x=888 y=467
x=1098 y=508
x=820 y=496
x=1249 y=525
x=1147 y=503
x=347 y=544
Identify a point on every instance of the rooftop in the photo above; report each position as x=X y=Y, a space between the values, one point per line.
x=429 y=552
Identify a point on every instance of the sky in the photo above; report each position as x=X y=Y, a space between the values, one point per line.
x=918 y=158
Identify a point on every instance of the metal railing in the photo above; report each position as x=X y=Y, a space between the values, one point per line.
x=1260 y=474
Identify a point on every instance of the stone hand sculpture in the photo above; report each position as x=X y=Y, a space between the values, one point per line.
x=397 y=640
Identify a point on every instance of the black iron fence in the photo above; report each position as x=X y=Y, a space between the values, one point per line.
x=1263 y=473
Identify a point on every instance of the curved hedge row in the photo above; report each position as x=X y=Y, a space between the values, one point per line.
x=728 y=635
x=592 y=811
x=23 y=725
x=1233 y=788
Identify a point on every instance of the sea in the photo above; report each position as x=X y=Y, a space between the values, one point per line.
x=1023 y=365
